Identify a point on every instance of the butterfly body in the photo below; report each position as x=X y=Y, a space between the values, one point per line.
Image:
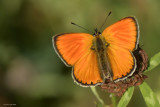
x=106 y=55
x=100 y=45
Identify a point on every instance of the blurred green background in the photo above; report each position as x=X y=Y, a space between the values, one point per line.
x=32 y=75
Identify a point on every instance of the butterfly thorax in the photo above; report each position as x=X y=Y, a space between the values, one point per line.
x=99 y=45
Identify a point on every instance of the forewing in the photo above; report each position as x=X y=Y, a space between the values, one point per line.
x=123 y=33
x=122 y=38
x=70 y=47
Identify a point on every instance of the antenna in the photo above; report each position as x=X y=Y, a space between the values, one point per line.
x=105 y=20
x=80 y=26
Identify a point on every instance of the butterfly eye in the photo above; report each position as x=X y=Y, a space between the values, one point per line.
x=99 y=33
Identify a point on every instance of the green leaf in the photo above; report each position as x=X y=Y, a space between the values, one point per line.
x=114 y=100
x=154 y=61
x=99 y=105
x=96 y=94
x=148 y=95
x=126 y=97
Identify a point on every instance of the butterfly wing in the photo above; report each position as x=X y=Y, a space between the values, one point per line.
x=123 y=40
x=75 y=50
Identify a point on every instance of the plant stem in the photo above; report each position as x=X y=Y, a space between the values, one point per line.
x=114 y=100
x=96 y=94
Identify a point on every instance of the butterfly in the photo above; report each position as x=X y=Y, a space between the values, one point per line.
x=106 y=55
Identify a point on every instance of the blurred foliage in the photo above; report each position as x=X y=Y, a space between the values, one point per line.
x=149 y=96
x=125 y=99
x=32 y=75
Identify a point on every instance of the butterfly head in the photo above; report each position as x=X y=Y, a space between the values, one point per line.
x=96 y=32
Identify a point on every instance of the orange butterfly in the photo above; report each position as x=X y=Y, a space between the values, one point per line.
x=106 y=55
